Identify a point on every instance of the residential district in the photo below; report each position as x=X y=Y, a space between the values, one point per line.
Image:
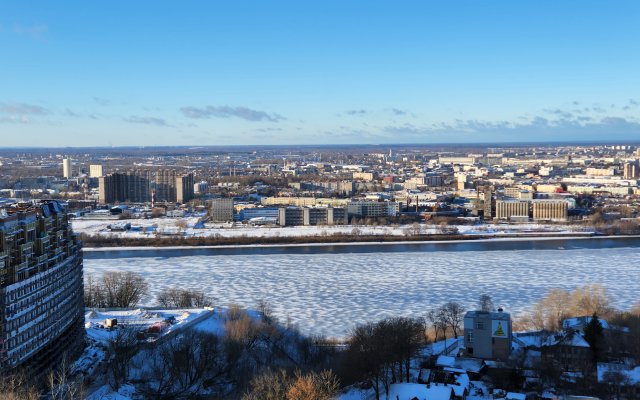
x=431 y=189
x=44 y=323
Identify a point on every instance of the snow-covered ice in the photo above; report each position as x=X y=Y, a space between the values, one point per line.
x=328 y=293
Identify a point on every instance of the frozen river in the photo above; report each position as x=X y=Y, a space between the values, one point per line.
x=328 y=289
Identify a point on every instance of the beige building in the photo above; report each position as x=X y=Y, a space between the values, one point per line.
x=550 y=210
x=67 y=168
x=95 y=171
x=631 y=170
x=364 y=176
x=512 y=210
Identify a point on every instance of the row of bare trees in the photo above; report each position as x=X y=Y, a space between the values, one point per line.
x=559 y=304
x=183 y=298
x=115 y=289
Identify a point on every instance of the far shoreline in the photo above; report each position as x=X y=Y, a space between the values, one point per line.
x=148 y=246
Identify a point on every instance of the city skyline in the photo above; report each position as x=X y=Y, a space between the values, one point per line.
x=317 y=73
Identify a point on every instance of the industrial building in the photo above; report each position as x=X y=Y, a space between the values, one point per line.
x=487 y=334
x=41 y=288
x=293 y=216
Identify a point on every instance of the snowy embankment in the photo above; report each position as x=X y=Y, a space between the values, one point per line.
x=186 y=227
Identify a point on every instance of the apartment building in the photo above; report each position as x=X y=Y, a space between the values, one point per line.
x=132 y=186
x=41 y=288
x=141 y=186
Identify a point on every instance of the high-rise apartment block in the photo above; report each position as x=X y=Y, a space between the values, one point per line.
x=140 y=186
x=133 y=186
x=67 y=168
x=95 y=171
x=41 y=292
x=631 y=170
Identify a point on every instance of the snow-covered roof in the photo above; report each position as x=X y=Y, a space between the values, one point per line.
x=632 y=374
x=463 y=364
x=409 y=391
x=574 y=339
x=580 y=322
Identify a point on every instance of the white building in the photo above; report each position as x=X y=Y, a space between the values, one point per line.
x=67 y=166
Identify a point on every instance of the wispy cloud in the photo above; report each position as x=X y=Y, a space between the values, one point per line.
x=359 y=112
x=37 y=31
x=537 y=127
x=101 y=101
x=136 y=119
x=229 y=112
x=397 y=111
x=22 y=109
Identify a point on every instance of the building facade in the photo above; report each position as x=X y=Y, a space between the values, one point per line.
x=132 y=186
x=512 y=210
x=487 y=334
x=67 y=168
x=371 y=209
x=144 y=186
x=550 y=210
x=222 y=210
x=95 y=171
x=41 y=288
x=305 y=216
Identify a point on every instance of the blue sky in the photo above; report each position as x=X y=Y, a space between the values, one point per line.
x=315 y=72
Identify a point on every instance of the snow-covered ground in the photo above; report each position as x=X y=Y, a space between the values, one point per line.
x=329 y=292
x=185 y=227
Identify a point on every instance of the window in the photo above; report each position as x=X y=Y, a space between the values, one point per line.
x=480 y=325
x=470 y=337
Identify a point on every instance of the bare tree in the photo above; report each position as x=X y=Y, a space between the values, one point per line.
x=182 y=366
x=60 y=386
x=454 y=314
x=18 y=386
x=485 y=303
x=121 y=348
x=314 y=386
x=123 y=289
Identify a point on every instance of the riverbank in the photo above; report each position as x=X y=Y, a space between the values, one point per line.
x=102 y=241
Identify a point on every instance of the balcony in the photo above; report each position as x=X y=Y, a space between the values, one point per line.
x=22 y=266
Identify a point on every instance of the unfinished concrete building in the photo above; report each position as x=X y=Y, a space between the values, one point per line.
x=41 y=288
